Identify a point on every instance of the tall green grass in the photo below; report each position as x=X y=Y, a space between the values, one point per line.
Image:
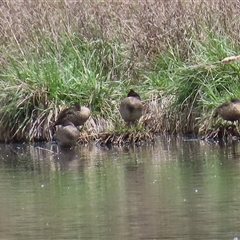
x=198 y=86
x=38 y=85
x=56 y=53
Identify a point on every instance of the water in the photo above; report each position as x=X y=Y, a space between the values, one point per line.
x=172 y=189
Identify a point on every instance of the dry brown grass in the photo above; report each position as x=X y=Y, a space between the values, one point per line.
x=147 y=26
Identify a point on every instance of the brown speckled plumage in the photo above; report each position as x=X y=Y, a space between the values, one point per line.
x=131 y=107
x=77 y=115
x=229 y=111
x=66 y=134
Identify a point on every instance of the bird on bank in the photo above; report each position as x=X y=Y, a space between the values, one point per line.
x=229 y=111
x=77 y=115
x=66 y=134
x=131 y=107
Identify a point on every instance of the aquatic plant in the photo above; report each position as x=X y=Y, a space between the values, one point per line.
x=55 y=53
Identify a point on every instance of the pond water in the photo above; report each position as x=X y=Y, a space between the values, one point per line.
x=170 y=189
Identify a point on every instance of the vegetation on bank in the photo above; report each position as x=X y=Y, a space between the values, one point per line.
x=55 y=53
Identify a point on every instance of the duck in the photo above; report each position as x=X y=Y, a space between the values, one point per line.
x=131 y=107
x=76 y=114
x=229 y=111
x=66 y=134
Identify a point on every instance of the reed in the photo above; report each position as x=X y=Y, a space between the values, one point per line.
x=55 y=53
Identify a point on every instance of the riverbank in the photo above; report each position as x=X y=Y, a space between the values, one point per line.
x=56 y=53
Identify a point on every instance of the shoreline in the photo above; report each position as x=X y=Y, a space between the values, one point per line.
x=158 y=118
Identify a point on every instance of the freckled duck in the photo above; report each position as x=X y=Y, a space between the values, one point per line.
x=77 y=115
x=131 y=107
x=66 y=134
x=229 y=111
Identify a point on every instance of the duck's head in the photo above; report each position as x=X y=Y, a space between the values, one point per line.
x=235 y=100
x=77 y=106
x=132 y=93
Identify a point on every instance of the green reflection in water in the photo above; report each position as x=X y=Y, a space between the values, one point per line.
x=172 y=189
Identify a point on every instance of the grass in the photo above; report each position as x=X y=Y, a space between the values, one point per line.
x=54 y=53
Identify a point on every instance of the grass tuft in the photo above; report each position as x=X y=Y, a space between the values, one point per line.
x=181 y=56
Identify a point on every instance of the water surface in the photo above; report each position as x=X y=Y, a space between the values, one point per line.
x=170 y=189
